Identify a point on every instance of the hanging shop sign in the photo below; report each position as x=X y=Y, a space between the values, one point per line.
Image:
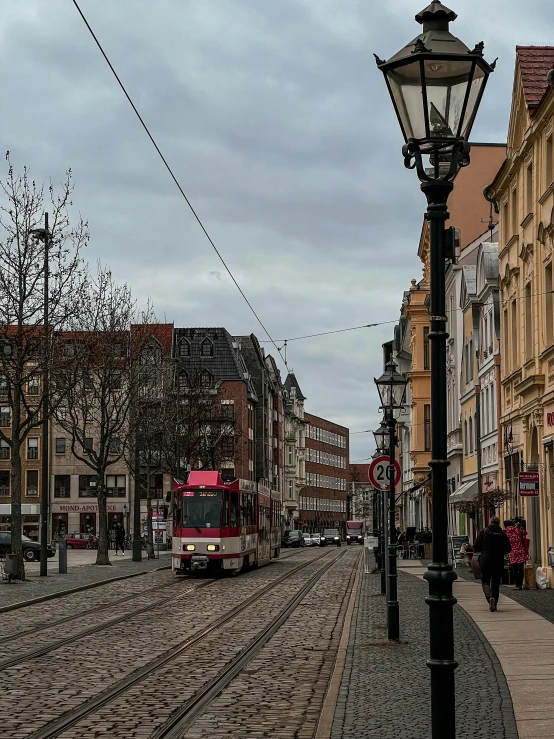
x=529 y=484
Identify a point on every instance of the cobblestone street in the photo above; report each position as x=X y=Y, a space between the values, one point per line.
x=255 y=655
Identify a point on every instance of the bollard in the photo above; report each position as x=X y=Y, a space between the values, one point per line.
x=62 y=556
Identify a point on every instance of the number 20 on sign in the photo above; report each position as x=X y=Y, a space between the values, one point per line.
x=379 y=473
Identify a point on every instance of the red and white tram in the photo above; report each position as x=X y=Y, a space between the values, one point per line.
x=224 y=528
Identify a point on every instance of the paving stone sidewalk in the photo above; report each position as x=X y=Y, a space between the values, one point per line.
x=538 y=601
x=76 y=577
x=385 y=689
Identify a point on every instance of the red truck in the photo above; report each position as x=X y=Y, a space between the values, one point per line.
x=355 y=532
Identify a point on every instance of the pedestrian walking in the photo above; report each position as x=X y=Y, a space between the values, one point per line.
x=492 y=544
x=120 y=538
x=520 y=550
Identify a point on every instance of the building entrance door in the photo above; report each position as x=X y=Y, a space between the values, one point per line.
x=88 y=523
x=59 y=525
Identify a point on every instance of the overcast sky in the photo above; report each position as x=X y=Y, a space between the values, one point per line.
x=278 y=125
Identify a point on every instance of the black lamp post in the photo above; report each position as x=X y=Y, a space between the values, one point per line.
x=436 y=83
x=380 y=436
x=392 y=390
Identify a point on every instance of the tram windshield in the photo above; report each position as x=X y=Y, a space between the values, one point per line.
x=202 y=508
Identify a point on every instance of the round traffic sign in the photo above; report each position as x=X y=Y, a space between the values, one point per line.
x=379 y=473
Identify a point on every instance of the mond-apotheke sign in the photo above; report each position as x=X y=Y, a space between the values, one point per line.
x=529 y=484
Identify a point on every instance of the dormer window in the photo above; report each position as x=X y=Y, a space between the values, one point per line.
x=184 y=348
x=205 y=378
x=183 y=380
x=207 y=348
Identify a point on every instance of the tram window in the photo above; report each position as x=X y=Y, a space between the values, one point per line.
x=225 y=511
x=234 y=509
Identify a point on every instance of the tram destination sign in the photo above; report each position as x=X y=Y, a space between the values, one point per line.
x=529 y=484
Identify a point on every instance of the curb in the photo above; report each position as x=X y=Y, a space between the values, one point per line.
x=80 y=588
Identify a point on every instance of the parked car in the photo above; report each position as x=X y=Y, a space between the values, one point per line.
x=293 y=539
x=31 y=549
x=330 y=536
x=81 y=541
x=307 y=540
x=316 y=540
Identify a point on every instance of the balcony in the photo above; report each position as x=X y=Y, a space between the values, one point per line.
x=454 y=442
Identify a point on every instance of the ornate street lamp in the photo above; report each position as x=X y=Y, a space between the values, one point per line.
x=380 y=436
x=392 y=391
x=436 y=84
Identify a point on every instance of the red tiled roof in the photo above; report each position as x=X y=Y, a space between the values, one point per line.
x=535 y=62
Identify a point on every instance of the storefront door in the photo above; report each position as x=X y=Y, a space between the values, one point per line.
x=59 y=525
x=88 y=523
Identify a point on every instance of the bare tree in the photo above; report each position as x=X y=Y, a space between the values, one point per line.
x=105 y=383
x=27 y=350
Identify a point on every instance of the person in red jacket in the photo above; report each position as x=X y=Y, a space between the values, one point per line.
x=520 y=550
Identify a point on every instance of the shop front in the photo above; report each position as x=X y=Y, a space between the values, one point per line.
x=30 y=514
x=83 y=518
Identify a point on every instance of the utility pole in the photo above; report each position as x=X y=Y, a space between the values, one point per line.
x=45 y=467
x=42 y=234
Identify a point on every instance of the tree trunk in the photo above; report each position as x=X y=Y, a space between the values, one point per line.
x=16 y=517
x=102 y=557
x=149 y=530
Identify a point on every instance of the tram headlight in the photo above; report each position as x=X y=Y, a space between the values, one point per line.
x=189 y=547
x=213 y=547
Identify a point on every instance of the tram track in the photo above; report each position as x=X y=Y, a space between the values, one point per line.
x=36 y=628
x=96 y=628
x=191 y=708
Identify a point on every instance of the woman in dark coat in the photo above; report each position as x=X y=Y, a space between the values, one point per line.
x=492 y=545
x=120 y=538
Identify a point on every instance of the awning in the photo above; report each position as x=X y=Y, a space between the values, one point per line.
x=466 y=491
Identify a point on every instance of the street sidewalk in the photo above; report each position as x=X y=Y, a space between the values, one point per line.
x=81 y=573
x=385 y=690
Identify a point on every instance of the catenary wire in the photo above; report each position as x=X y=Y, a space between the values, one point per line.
x=176 y=181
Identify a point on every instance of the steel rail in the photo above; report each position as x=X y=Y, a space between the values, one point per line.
x=68 y=719
x=41 y=651
x=184 y=717
x=81 y=614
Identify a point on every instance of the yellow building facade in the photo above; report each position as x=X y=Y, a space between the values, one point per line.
x=524 y=191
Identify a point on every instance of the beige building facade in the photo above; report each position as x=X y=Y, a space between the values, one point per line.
x=524 y=190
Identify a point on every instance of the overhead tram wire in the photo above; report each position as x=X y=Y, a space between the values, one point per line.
x=175 y=180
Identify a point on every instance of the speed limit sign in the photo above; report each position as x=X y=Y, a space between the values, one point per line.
x=379 y=473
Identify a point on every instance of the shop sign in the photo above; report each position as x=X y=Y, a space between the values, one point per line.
x=85 y=508
x=529 y=484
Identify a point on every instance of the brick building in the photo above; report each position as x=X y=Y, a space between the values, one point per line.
x=324 y=500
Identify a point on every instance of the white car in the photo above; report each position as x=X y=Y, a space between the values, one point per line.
x=316 y=540
x=307 y=540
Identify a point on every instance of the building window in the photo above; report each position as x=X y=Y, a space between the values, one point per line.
x=115 y=381
x=529 y=188
x=184 y=348
x=548 y=157
x=528 y=322
x=515 y=220
x=87 y=486
x=60 y=445
x=505 y=223
x=4 y=449
x=471 y=434
x=183 y=381
x=5 y=416
x=89 y=444
x=228 y=446
x=549 y=318
x=514 y=337
x=4 y=483
x=466 y=363
x=206 y=348
x=32 y=448
x=115 y=446
x=62 y=486
x=205 y=379
x=115 y=485
x=466 y=441
x=426 y=359
x=32 y=385
x=228 y=412
x=32 y=482
x=427 y=427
